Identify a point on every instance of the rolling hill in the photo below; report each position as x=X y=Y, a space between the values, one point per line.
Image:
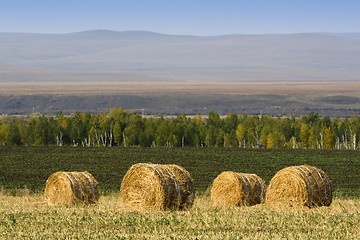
x=138 y=55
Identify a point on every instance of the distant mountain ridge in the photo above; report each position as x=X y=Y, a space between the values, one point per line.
x=142 y=55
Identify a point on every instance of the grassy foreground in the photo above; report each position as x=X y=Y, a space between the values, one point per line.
x=27 y=217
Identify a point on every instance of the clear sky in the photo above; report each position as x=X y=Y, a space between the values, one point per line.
x=193 y=17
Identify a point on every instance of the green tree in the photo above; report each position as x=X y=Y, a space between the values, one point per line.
x=10 y=134
x=77 y=129
x=230 y=140
x=210 y=136
x=148 y=136
x=118 y=133
x=180 y=124
x=132 y=130
x=220 y=138
x=214 y=120
x=230 y=122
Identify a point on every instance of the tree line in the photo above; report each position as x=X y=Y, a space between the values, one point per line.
x=120 y=128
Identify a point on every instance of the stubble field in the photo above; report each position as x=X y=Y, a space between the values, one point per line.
x=26 y=217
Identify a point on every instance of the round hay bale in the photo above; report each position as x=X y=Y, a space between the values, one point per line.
x=299 y=186
x=148 y=186
x=187 y=191
x=237 y=189
x=71 y=188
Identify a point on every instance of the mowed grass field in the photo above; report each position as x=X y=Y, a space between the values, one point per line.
x=24 y=215
x=27 y=218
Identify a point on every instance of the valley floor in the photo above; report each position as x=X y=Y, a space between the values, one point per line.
x=189 y=97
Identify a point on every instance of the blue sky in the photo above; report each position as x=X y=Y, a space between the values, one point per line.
x=193 y=17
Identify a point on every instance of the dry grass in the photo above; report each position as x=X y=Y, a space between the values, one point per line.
x=24 y=217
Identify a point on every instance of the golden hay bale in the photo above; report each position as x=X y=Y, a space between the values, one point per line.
x=237 y=189
x=187 y=191
x=71 y=188
x=149 y=186
x=299 y=186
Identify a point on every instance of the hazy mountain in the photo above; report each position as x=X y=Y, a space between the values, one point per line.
x=109 y=55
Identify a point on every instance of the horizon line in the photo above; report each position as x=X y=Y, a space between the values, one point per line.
x=173 y=34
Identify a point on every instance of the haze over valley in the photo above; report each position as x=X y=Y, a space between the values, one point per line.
x=103 y=55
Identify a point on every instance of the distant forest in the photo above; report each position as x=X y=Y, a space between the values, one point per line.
x=118 y=128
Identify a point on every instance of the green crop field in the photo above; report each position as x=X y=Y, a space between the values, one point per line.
x=29 y=167
x=24 y=215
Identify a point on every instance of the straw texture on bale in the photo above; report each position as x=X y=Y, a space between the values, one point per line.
x=148 y=186
x=237 y=189
x=70 y=188
x=300 y=186
x=187 y=192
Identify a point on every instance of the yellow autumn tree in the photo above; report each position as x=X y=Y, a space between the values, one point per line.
x=329 y=139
